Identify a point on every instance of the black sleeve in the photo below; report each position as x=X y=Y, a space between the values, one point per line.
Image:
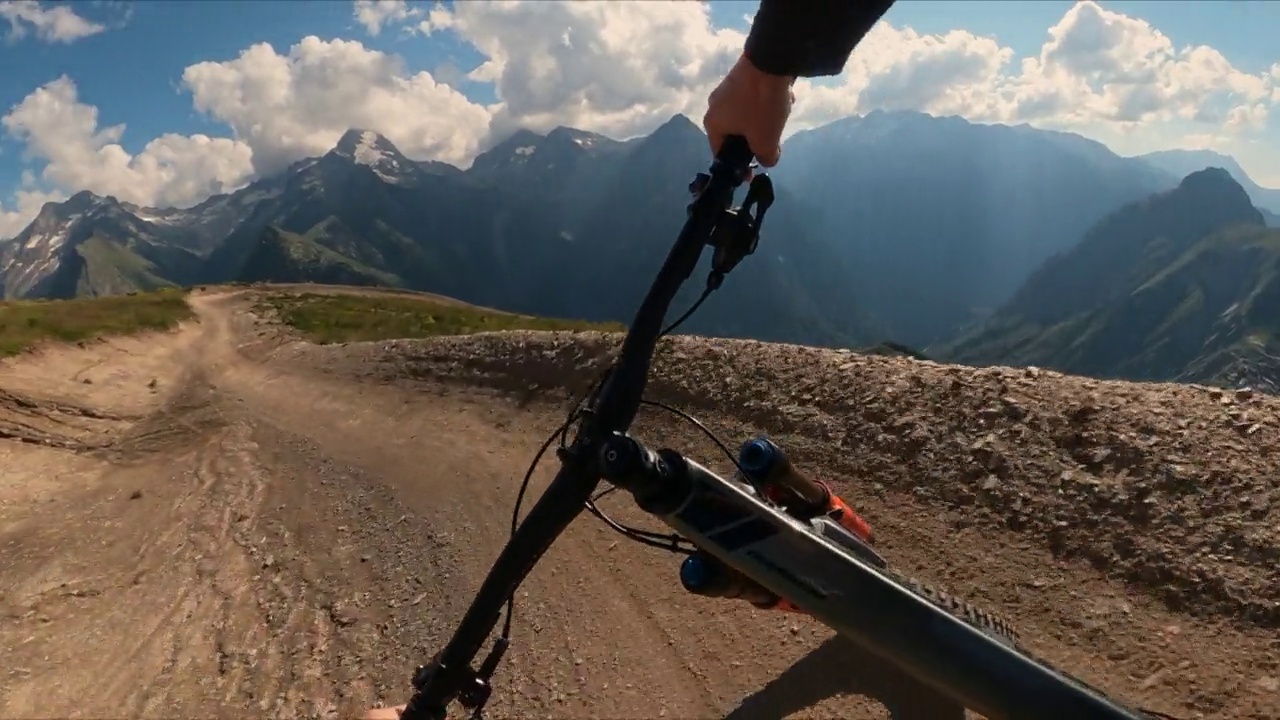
x=808 y=38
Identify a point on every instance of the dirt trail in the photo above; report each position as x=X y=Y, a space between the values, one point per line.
x=226 y=522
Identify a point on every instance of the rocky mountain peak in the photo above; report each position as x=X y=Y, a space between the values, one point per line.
x=575 y=139
x=1215 y=191
x=85 y=202
x=365 y=146
x=679 y=126
x=55 y=214
x=368 y=148
x=522 y=143
x=1210 y=178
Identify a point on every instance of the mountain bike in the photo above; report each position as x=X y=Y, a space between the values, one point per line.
x=769 y=535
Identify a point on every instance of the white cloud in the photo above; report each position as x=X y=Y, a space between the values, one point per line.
x=622 y=68
x=56 y=23
x=26 y=206
x=901 y=69
x=78 y=155
x=287 y=107
x=1097 y=68
x=1247 y=117
x=373 y=14
x=619 y=68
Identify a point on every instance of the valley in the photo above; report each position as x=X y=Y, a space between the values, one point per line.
x=1181 y=286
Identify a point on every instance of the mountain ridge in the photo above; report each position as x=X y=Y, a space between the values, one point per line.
x=1184 y=162
x=1179 y=286
x=1154 y=159
x=494 y=236
x=949 y=215
x=893 y=228
x=92 y=245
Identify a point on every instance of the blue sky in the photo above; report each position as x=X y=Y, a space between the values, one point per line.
x=132 y=72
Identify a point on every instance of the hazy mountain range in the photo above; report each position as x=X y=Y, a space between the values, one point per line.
x=1182 y=285
x=981 y=243
x=1185 y=162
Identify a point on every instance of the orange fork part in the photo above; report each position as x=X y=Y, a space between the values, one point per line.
x=845 y=515
x=839 y=510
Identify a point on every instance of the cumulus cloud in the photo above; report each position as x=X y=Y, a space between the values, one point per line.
x=287 y=107
x=373 y=14
x=171 y=170
x=619 y=68
x=26 y=206
x=901 y=69
x=622 y=68
x=1097 y=67
x=51 y=23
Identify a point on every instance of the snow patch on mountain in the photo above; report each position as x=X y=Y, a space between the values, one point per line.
x=367 y=152
x=151 y=216
x=50 y=241
x=368 y=148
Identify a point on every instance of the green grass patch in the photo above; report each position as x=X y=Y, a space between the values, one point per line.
x=355 y=318
x=24 y=323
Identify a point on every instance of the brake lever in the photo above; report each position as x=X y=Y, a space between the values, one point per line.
x=737 y=232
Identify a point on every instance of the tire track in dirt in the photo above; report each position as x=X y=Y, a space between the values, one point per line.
x=171 y=513
x=474 y=528
x=367 y=417
x=53 y=424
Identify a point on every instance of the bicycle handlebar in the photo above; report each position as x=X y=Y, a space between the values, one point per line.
x=448 y=676
x=620 y=399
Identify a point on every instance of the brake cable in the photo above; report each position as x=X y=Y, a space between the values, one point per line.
x=706 y=292
x=664 y=541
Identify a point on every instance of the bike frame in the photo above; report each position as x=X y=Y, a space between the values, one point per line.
x=766 y=545
x=799 y=561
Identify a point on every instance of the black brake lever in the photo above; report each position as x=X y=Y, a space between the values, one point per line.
x=738 y=232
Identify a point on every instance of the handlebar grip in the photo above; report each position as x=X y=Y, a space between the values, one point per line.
x=735 y=154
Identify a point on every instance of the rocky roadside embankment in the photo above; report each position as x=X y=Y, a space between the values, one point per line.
x=1172 y=487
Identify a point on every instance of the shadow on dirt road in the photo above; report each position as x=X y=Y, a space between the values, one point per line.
x=837 y=668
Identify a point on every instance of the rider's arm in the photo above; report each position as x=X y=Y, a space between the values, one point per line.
x=808 y=38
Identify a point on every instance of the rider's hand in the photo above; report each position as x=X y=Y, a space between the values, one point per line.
x=753 y=104
x=386 y=713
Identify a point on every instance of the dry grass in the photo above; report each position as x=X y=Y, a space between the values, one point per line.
x=24 y=323
x=325 y=318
